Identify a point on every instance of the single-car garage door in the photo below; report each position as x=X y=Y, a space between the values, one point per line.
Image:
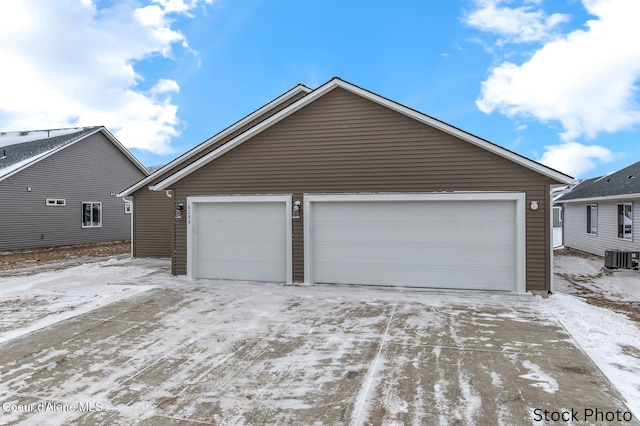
x=239 y=238
x=458 y=241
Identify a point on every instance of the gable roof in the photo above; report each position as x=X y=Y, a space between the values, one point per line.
x=255 y=115
x=339 y=83
x=624 y=183
x=19 y=150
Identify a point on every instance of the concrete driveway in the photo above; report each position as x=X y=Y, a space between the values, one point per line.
x=210 y=352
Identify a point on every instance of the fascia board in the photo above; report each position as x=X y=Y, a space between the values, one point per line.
x=204 y=145
x=461 y=134
x=122 y=149
x=336 y=82
x=47 y=154
x=604 y=198
x=238 y=140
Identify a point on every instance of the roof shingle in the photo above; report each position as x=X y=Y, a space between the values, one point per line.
x=622 y=182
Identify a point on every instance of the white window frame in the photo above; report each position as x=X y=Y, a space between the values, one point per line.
x=92 y=225
x=619 y=216
x=128 y=207
x=55 y=202
x=590 y=209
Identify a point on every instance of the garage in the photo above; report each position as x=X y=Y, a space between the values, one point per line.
x=456 y=241
x=244 y=238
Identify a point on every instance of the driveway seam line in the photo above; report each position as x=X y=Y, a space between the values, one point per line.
x=374 y=365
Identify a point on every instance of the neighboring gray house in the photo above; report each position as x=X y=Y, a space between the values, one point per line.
x=58 y=187
x=600 y=213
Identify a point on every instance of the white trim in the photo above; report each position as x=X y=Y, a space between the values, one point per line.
x=55 y=202
x=603 y=198
x=130 y=200
x=102 y=129
x=589 y=215
x=219 y=136
x=517 y=197
x=192 y=221
x=101 y=214
x=329 y=86
x=624 y=203
x=552 y=247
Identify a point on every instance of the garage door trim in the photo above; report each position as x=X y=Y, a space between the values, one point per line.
x=517 y=197
x=192 y=220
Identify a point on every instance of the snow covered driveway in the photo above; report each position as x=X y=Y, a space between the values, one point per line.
x=217 y=352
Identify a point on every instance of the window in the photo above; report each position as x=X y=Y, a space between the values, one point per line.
x=127 y=206
x=592 y=219
x=625 y=221
x=55 y=202
x=91 y=215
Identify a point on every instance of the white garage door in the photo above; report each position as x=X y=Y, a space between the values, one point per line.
x=455 y=241
x=239 y=238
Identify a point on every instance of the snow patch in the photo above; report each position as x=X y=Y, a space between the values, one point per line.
x=543 y=380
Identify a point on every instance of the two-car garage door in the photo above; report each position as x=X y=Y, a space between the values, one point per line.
x=463 y=241
x=442 y=242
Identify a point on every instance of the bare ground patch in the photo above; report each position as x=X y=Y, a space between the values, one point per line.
x=17 y=259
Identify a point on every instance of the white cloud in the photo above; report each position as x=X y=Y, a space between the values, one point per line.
x=70 y=62
x=586 y=80
x=574 y=158
x=516 y=24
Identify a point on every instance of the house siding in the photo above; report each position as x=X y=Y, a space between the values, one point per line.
x=153 y=229
x=343 y=143
x=153 y=224
x=89 y=170
x=575 y=227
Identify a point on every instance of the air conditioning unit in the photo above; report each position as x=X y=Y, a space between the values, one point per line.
x=621 y=259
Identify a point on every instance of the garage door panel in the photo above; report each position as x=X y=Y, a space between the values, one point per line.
x=496 y=253
x=445 y=244
x=247 y=251
x=436 y=231
x=240 y=239
x=240 y=211
x=477 y=277
x=251 y=271
x=227 y=231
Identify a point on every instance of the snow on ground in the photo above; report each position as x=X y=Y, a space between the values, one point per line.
x=32 y=302
x=611 y=339
x=620 y=285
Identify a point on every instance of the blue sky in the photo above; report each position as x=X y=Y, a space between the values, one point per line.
x=555 y=81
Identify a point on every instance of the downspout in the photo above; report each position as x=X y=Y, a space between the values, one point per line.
x=551 y=280
x=130 y=200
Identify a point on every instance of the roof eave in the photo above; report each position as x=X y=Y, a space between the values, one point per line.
x=217 y=137
x=559 y=177
x=122 y=149
x=601 y=198
x=46 y=154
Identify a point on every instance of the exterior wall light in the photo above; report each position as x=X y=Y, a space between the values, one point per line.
x=296 y=210
x=534 y=205
x=179 y=209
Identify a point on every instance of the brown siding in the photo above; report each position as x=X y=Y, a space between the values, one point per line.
x=153 y=235
x=152 y=224
x=342 y=143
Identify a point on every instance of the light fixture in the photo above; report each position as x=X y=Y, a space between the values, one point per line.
x=296 y=210
x=534 y=205
x=179 y=209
